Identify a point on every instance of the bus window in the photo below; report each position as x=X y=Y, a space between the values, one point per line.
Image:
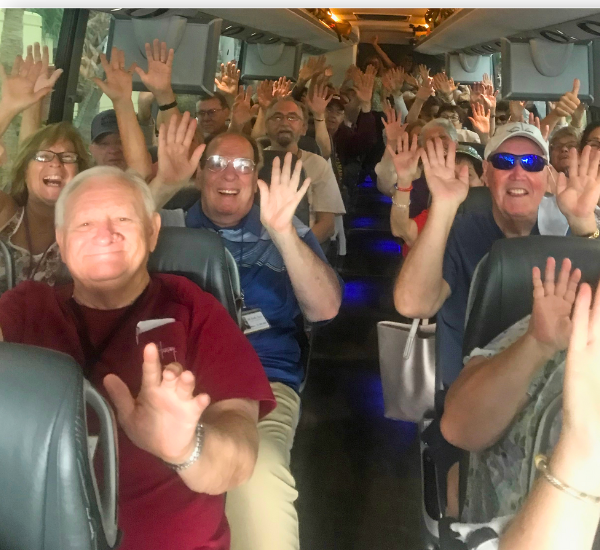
x=20 y=28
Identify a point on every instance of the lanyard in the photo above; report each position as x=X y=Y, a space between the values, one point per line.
x=91 y=353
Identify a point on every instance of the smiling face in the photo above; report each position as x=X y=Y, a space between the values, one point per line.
x=559 y=151
x=45 y=180
x=517 y=193
x=106 y=236
x=212 y=117
x=227 y=196
x=280 y=129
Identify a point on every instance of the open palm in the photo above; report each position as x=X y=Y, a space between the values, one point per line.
x=160 y=66
x=278 y=202
x=439 y=167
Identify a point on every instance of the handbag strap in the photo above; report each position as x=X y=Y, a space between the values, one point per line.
x=410 y=341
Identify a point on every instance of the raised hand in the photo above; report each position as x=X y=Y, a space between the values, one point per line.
x=477 y=91
x=176 y=163
x=162 y=419
x=18 y=89
x=47 y=77
x=578 y=195
x=410 y=79
x=318 y=97
x=424 y=72
x=278 y=202
x=364 y=84
x=265 y=94
x=581 y=406
x=241 y=111
x=282 y=87
x=445 y=186
x=118 y=84
x=488 y=84
x=426 y=90
x=313 y=66
x=489 y=98
x=160 y=66
x=535 y=121
x=392 y=125
x=442 y=84
x=550 y=322
x=227 y=83
x=516 y=110
x=405 y=157
x=569 y=102
x=393 y=79
x=480 y=119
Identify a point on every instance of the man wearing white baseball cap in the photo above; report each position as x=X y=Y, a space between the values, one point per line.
x=436 y=274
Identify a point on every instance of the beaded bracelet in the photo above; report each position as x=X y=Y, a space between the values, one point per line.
x=541 y=464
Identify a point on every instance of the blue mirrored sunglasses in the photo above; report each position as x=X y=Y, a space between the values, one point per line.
x=507 y=161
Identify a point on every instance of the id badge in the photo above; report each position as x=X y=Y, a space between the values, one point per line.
x=253 y=320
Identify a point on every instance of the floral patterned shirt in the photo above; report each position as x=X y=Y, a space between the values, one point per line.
x=499 y=477
x=46 y=267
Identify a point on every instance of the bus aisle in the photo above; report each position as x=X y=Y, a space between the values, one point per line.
x=357 y=472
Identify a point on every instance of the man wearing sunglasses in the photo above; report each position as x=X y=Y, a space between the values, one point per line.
x=284 y=276
x=436 y=275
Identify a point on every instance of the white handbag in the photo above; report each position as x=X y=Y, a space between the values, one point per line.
x=407 y=366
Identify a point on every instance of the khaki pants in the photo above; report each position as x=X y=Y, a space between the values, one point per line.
x=261 y=512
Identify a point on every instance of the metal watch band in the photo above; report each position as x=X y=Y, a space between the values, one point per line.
x=195 y=454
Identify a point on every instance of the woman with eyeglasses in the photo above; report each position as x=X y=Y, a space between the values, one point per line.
x=458 y=118
x=45 y=163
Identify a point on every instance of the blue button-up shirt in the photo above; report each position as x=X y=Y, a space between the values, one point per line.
x=266 y=285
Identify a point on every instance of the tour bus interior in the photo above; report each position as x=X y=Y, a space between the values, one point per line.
x=364 y=476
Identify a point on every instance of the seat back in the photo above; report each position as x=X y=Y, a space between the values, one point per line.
x=302 y=212
x=478 y=198
x=504 y=291
x=199 y=255
x=49 y=494
x=9 y=267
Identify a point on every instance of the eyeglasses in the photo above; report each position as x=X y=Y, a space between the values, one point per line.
x=208 y=113
x=217 y=163
x=569 y=145
x=450 y=116
x=48 y=156
x=507 y=161
x=290 y=117
x=594 y=144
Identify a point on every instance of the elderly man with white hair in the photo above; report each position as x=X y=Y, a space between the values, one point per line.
x=188 y=388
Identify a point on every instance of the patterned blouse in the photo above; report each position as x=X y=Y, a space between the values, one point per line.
x=499 y=476
x=46 y=267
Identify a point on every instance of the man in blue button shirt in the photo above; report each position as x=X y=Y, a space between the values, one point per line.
x=284 y=275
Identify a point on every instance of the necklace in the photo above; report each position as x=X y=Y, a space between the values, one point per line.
x=33 y=269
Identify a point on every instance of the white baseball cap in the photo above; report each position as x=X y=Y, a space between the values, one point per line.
x=516 y=129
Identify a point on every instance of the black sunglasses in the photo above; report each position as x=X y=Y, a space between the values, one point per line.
x=507 y=161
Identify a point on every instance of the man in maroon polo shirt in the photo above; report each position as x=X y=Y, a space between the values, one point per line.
x=187 y=431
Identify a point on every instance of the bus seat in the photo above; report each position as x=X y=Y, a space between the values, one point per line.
x=199 y=255
x=504 y=293
x=9 y=267
x=478 y=198
x=302 y=212
x=50 y=498
x=184 y=199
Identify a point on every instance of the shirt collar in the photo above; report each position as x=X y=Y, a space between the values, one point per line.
x=250 y=222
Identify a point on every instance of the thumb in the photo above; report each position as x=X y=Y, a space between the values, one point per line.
x=195 y=160
x=140 y=72
x=576 y=85
x=463 y=174
x=263 y=187
x=55 y=76
x=101 y=84
x=43 y=92
x=120 y=396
